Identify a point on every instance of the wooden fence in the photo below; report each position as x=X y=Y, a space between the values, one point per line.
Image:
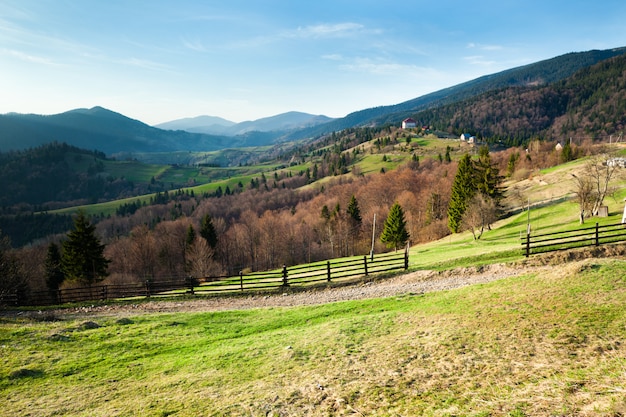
x=295 y=276
x=589 y=236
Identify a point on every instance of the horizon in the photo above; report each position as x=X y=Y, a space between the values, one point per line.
x=243 y=61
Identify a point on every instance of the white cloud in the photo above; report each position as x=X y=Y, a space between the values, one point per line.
x=479 y=60
x=337 y=30
x=388 y=68
x=145 y=64
x=482 y=47
x=28 y=57
x=333 y=57
x=195 y=45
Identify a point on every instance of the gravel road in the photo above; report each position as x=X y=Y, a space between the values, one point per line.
x=410 y=283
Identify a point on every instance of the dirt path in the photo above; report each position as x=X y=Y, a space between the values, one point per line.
x=411 y=283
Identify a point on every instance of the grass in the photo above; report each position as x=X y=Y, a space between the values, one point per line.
x=545 y=344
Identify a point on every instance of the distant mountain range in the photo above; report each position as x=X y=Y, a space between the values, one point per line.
x=115 y=134
x=450 y=109
x=217 y=126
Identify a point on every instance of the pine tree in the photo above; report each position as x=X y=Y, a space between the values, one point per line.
x=52 y=264
x=11 y=271
x=463 y=189
x=207 y=231
x=487 y=177
x=191 y=236
x=394 y=233
x=83 y=255
x=354 y=211
x=354 y=220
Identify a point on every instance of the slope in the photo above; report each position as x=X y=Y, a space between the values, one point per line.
x=588 y=104
x=540 y=73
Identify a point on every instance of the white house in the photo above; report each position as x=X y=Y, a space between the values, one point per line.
x=465 y=136
x=409 y=123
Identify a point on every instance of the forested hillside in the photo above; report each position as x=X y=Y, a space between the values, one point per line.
x=537 y=74
x=58 y=175
x=589 y=104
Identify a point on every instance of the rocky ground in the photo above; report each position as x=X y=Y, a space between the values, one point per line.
x=410 y=283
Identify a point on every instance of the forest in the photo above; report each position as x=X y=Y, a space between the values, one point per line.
x=589 y=104
x=281 y=218
x=324 y=197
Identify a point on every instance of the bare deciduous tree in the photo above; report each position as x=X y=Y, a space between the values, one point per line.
x=480 y=214
x=584 y=192
x=200 y=259
x=593 y=185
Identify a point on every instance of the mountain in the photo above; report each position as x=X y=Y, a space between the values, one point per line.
x=589 y=104
x=217 y=126
x=101 y=129
x=544 y=72
x=201 y=124
x=448 y=109
x=114 y=134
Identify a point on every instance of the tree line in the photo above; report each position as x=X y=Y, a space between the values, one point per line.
x=263 y=228
x=588 y=104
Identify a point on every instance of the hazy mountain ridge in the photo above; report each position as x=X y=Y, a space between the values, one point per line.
x=589 y=104
x=539 y=73
x=113 y=133
x=218 y=126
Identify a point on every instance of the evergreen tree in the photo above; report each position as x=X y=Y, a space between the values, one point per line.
x=394 y=233
x=191 y=236
x=487 y=177
x=83 y=255
x=52 y=264
x=463 y=189
x=325 y=213
x=11 y=272
x=207 y=231
x=353 y=211
x=354 y=220
x=567 y=153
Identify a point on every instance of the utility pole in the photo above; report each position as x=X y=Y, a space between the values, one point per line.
x=373 y=237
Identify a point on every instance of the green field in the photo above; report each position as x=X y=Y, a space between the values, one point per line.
x=547 y=343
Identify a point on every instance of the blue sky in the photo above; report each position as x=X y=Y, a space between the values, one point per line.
x=242 y=60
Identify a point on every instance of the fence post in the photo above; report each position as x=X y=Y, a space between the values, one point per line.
x=148 y=288
x=285 y=278
x=406 y=257
x=597 y=235
x=241 y=280
x=104 y=292
x=365 y=263
x=527 y=244
x=328 y=271
x=190 y=284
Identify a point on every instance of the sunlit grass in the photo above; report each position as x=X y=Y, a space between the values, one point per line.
x=541 y=344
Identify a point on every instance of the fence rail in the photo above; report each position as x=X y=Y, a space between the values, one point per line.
x=588 y=236
x=295 y=276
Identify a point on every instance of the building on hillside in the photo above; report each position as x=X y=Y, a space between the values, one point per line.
x=465 y=137
x=409 y=123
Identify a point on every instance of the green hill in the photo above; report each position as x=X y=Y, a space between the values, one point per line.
x=547 y=342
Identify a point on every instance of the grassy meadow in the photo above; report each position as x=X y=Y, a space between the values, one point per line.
x=549 y=343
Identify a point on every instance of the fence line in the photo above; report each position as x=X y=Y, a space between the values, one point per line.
x=588 y=236
x=293 y=277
